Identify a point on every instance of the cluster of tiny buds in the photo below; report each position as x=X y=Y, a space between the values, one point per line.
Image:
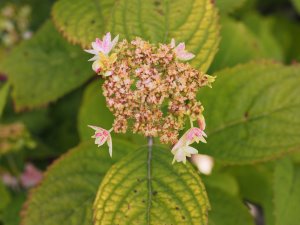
x=150 y=89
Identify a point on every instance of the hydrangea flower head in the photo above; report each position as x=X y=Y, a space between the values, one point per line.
x=151 y=90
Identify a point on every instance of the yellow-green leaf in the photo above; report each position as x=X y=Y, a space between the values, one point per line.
x=82 y=21
x=66 y=194
x=193 y=21
x=145 y=188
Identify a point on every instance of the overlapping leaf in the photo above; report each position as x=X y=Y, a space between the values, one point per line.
x=256 y=186
x=45 y=68
x=68 y=190
x=286 y=193
x=253 y=112
x=227 y=209
x=227 y=6
x=240 y=44
x=82 y=21
x=145 y=188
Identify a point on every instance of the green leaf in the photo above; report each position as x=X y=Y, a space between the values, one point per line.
x=228 y=6
x=253 y=112
x=93 y=111
x=286 y=32
x=66 y=194
x=4 y=89
x=145 y=188
x=297 y=5
x=222 y=181
x=262 y=28
x=287 y=193
x=239 y=44
x=227 y=209
x=11 y=214
x=4 y=196
x=194 y=21
x=15 y=137
x=45 y=68
x=256 y=186
x=82 y=21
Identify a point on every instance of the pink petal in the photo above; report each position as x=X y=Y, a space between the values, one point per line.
x=96 y=66
x=10 y=180
x=109 y=143
x=31 y=176
x=173 y=43
x=114 y=42
x=180 y=47
x=185 y=56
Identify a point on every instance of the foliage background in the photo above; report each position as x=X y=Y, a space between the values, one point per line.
x=252 y=115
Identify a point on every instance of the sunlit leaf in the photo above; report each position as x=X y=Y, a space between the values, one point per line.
x=145 y=188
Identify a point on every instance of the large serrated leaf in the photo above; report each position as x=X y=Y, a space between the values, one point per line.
x=253 y=112
x=82 y=21
x=145 y=188
x=45 y=68
x=67 y=192
x=286 y=193
x=194 y=21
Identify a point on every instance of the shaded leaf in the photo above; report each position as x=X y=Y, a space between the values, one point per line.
x=256 y=186
x=45 y=68
x=4 y=196
x=227 y=209
x=239 y=45
x=286 y=193
x=4 y=89
x=11 y=214
x=227 y=6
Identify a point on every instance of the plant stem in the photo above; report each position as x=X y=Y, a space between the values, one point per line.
x=150 y=145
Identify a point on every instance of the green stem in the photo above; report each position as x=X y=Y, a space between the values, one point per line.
x=150 y=145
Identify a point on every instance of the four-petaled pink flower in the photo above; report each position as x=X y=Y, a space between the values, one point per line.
x=100 y=50
x=101 y=136
x=180 y=51
x=182 y=148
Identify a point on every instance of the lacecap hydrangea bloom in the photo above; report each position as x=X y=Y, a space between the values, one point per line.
x=151 y=90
